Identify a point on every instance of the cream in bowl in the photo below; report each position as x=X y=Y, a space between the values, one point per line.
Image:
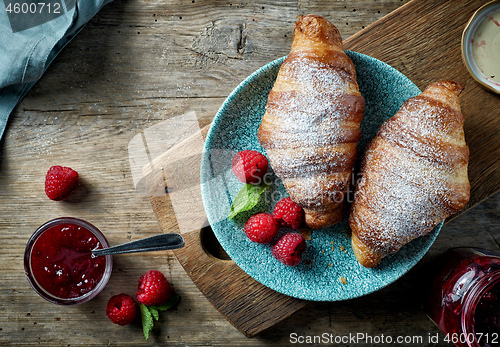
x=481 y=46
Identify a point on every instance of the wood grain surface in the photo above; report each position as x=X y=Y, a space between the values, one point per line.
x=235 y=294
x=248 y=305
x=138 y=63
x=422 y=41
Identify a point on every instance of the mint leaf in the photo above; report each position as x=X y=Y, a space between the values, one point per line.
x=147 y=320
x=246 y=199
x=174 y=300
x=151 y=313
x=154 y=312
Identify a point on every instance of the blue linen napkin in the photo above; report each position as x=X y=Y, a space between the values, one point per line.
x=32 y=33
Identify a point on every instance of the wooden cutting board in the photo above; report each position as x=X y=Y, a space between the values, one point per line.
x=422 y=40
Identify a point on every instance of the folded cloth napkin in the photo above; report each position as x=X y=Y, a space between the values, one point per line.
x=32 y=33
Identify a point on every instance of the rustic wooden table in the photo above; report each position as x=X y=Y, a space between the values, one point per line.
x=135 y=64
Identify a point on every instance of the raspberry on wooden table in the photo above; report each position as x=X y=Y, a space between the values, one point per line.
x=121 y=309
x=60 y=182
x=153 y=289
x=288 y=213
x=289 y=248
x=249 y=166
x=261 y=228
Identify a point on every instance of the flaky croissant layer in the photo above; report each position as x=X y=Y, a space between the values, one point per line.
x=312 y=122
x=414 y=174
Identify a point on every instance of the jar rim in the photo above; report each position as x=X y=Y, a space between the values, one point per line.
x=475 y=294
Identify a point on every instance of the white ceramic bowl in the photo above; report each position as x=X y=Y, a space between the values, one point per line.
x=481 y=46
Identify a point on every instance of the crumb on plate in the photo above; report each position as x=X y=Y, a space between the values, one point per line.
x=306 y=233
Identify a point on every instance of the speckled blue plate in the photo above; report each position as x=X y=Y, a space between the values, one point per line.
x=328 y=254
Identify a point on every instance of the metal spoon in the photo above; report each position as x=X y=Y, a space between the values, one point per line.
x=153 y=243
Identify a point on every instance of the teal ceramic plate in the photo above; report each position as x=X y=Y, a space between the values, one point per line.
x=328 y=255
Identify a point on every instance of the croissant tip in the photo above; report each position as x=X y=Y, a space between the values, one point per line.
x=317 y=27
x=453 y=86
x=320 y=220
x=367 y=262
x=363 y=254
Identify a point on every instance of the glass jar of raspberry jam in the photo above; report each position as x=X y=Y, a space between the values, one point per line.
x=59 y=264
x=463 y=297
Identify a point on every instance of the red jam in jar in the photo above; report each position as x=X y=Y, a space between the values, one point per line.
x=463 y=298
x=59 y=263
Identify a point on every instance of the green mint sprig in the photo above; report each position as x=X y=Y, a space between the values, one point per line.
x=149 y=314
x=246 y=199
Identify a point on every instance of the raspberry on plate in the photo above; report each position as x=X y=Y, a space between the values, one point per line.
x=60 y=182
x=153 y=289
x=289 y=248
x=288 y=213
x=121 y=309
x=249 y=166
x=261 y=228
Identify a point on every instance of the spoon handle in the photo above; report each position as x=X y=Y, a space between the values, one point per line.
x=153 y=243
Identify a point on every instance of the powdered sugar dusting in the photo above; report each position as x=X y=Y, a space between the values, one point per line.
x=312 y=127
x=314 y=77
x=433 y=123
x=320 y=192
x=235 y=128
x=305 y=162
x=400 y=209
x=409 y=184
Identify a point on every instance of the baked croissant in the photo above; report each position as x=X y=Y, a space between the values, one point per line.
x=414 y=174
x=311 y=125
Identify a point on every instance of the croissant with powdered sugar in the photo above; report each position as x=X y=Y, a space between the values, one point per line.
x=312 y=122
x=414 y=174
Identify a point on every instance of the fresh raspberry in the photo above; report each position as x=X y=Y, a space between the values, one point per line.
x=289 y=248
x=121 y=309
x=288 y=213
x=60 y=182
x=249 y=166
x=153 y=288
x=261 y=228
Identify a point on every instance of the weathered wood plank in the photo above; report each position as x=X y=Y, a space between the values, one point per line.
x=109 y=84
x=428 y=49
x=389 y=39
